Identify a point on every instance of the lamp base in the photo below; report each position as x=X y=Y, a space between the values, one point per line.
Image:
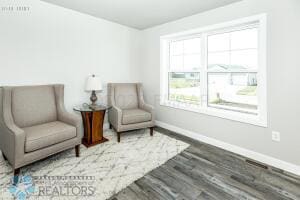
x=93 y=98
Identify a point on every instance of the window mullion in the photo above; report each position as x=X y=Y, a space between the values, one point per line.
x=166 y=76
x=203 y=71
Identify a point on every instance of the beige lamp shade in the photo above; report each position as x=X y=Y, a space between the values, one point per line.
x=93 y=83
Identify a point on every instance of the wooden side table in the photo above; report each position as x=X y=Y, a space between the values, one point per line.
x=93 y=119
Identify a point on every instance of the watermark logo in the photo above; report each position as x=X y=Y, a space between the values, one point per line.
x=55 y=186
x=13 y=8
x=21 y=187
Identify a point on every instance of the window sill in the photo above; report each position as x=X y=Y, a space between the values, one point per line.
x=225 y=114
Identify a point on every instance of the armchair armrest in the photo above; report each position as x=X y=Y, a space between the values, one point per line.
x=69 y=118
x=149 y=108
x=63 y=115
x=12 y=140
x=115 y=116
x=15 y=139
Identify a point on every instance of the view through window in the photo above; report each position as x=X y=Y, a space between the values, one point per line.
x=232 y=70
x=219 y=69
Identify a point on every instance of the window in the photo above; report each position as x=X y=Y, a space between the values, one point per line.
x=184 y=76
x=218 y=70
x=232 y=69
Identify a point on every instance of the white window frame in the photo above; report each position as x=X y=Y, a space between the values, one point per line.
x=261 y=118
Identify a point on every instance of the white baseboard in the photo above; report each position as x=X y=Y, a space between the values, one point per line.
x=274 y=162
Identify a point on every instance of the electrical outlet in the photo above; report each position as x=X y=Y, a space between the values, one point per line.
x=275 y=136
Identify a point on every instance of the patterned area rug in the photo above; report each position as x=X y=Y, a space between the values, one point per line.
x=100 y=171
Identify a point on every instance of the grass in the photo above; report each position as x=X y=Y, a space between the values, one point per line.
x=249 y=91
x=185 y=98
x=182 y=83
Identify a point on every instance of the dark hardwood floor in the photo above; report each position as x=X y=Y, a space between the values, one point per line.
x=206 y=172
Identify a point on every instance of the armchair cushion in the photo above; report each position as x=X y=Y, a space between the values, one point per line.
x=126 y=96
x=41 y=136
x=33 y=105
x=133 y=116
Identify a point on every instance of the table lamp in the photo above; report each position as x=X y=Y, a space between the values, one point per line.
x=93 y=84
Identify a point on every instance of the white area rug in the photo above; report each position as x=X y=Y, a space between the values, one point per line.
x=113 y=165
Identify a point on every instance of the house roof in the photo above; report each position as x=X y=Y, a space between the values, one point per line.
x=226 y=67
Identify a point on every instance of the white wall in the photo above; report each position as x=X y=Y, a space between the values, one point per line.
x=283 y=69
x=51 y=44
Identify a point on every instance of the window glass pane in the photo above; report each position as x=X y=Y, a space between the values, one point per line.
x=222 y=58
x=233 y=91
x=184 y=87
x=176 y=62
x=237 y=48
x=244 y=39
x=192 y=62
x=176 y=48
x=192 y=46
x=219 y=42
x=247 y=59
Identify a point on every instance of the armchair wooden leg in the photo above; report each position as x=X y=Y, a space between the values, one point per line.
x=16 y=176
x=17 y=172
x=119 y=137
x=151 y=131
x=77 y=150
x=4 y=156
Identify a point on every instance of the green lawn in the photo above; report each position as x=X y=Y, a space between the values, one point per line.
x=182 y=83
x=249 y=91
x=185 y=98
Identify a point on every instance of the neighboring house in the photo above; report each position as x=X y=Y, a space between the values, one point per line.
x=235 y=78
x=186 y=75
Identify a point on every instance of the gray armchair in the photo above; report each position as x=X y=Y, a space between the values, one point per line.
x=128 y=109
x=34 y=124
